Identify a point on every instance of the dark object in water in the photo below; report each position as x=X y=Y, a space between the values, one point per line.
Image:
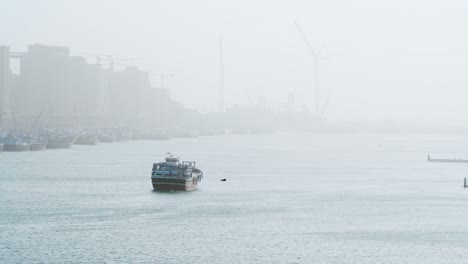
x=223 y=179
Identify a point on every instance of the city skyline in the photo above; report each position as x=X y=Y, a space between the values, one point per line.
x=377 y=66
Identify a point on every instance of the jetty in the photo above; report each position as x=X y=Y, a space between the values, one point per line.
x=446 y=160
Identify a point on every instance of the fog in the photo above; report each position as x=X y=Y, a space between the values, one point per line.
x=398 y=60
x=242 y=131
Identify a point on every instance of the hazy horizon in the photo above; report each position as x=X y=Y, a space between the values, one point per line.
x=404 y=60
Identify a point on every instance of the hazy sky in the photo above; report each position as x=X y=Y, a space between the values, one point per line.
x=401 y=59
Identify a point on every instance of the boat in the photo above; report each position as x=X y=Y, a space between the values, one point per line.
x=16 y=145
x=154 y=136
x=106 y=138
x=36 y=143
x=173 y=175
x=15 y=142
x=87 y=139
x=60 y=142
x=37 y=146
x=429 y=159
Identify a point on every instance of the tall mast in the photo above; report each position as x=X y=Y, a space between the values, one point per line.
x=221 y=74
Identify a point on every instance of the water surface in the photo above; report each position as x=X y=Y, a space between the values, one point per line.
x=288 y=198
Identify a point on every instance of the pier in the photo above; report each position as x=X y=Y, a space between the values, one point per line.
x=429 y=159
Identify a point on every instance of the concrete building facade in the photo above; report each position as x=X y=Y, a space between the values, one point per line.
x=67 y=91
x=5 y=91
x=66 y=87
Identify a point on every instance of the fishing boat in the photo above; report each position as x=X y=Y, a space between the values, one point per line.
x=87 y=139
x=38 y=146
x=60 y=141
x=107 y=138
x=173 y=175
x=36 y=143
x=14 y=142
x=15 y=145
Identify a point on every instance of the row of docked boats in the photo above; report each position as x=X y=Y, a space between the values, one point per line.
x=50 y=139
x=18 y=143
x=62 y=139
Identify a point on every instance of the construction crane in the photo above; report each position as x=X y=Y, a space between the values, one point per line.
x=162 y=75
x=99 y=57
x=316 y=56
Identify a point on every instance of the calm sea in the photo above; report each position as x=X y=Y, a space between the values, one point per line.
x=288 y=198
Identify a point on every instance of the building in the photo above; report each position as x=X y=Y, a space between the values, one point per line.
x=5 y=92
x=66 y=91
x=127 y=93
x=67 y=88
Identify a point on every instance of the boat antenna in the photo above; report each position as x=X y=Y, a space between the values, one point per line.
x=322 y=113
x=38 y=117
x=1 y=116
x=14 y=120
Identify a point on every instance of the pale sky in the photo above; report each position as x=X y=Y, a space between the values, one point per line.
x=401 y=59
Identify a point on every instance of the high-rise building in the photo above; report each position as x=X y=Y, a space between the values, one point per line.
x=67 y=87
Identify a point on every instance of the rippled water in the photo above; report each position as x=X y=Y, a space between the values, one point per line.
x=289 y=198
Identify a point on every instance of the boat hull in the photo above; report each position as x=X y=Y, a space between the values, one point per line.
x=86 y=140
x=107 y=139
x=52 y=145
x=16 y=147
x=37 y=146
x=166 y=185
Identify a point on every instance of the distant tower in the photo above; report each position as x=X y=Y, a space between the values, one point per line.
x=291 y=107
x=4 y=89
x=221 y=73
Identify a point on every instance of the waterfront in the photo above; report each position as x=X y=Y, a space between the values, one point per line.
x=289 y=198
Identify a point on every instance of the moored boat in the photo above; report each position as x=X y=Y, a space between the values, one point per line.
x=60 y=142
x=87 y=139
x=36 y=143
x=173 y=175
x=104 y=138
x=37 y=146
x=16 y=146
